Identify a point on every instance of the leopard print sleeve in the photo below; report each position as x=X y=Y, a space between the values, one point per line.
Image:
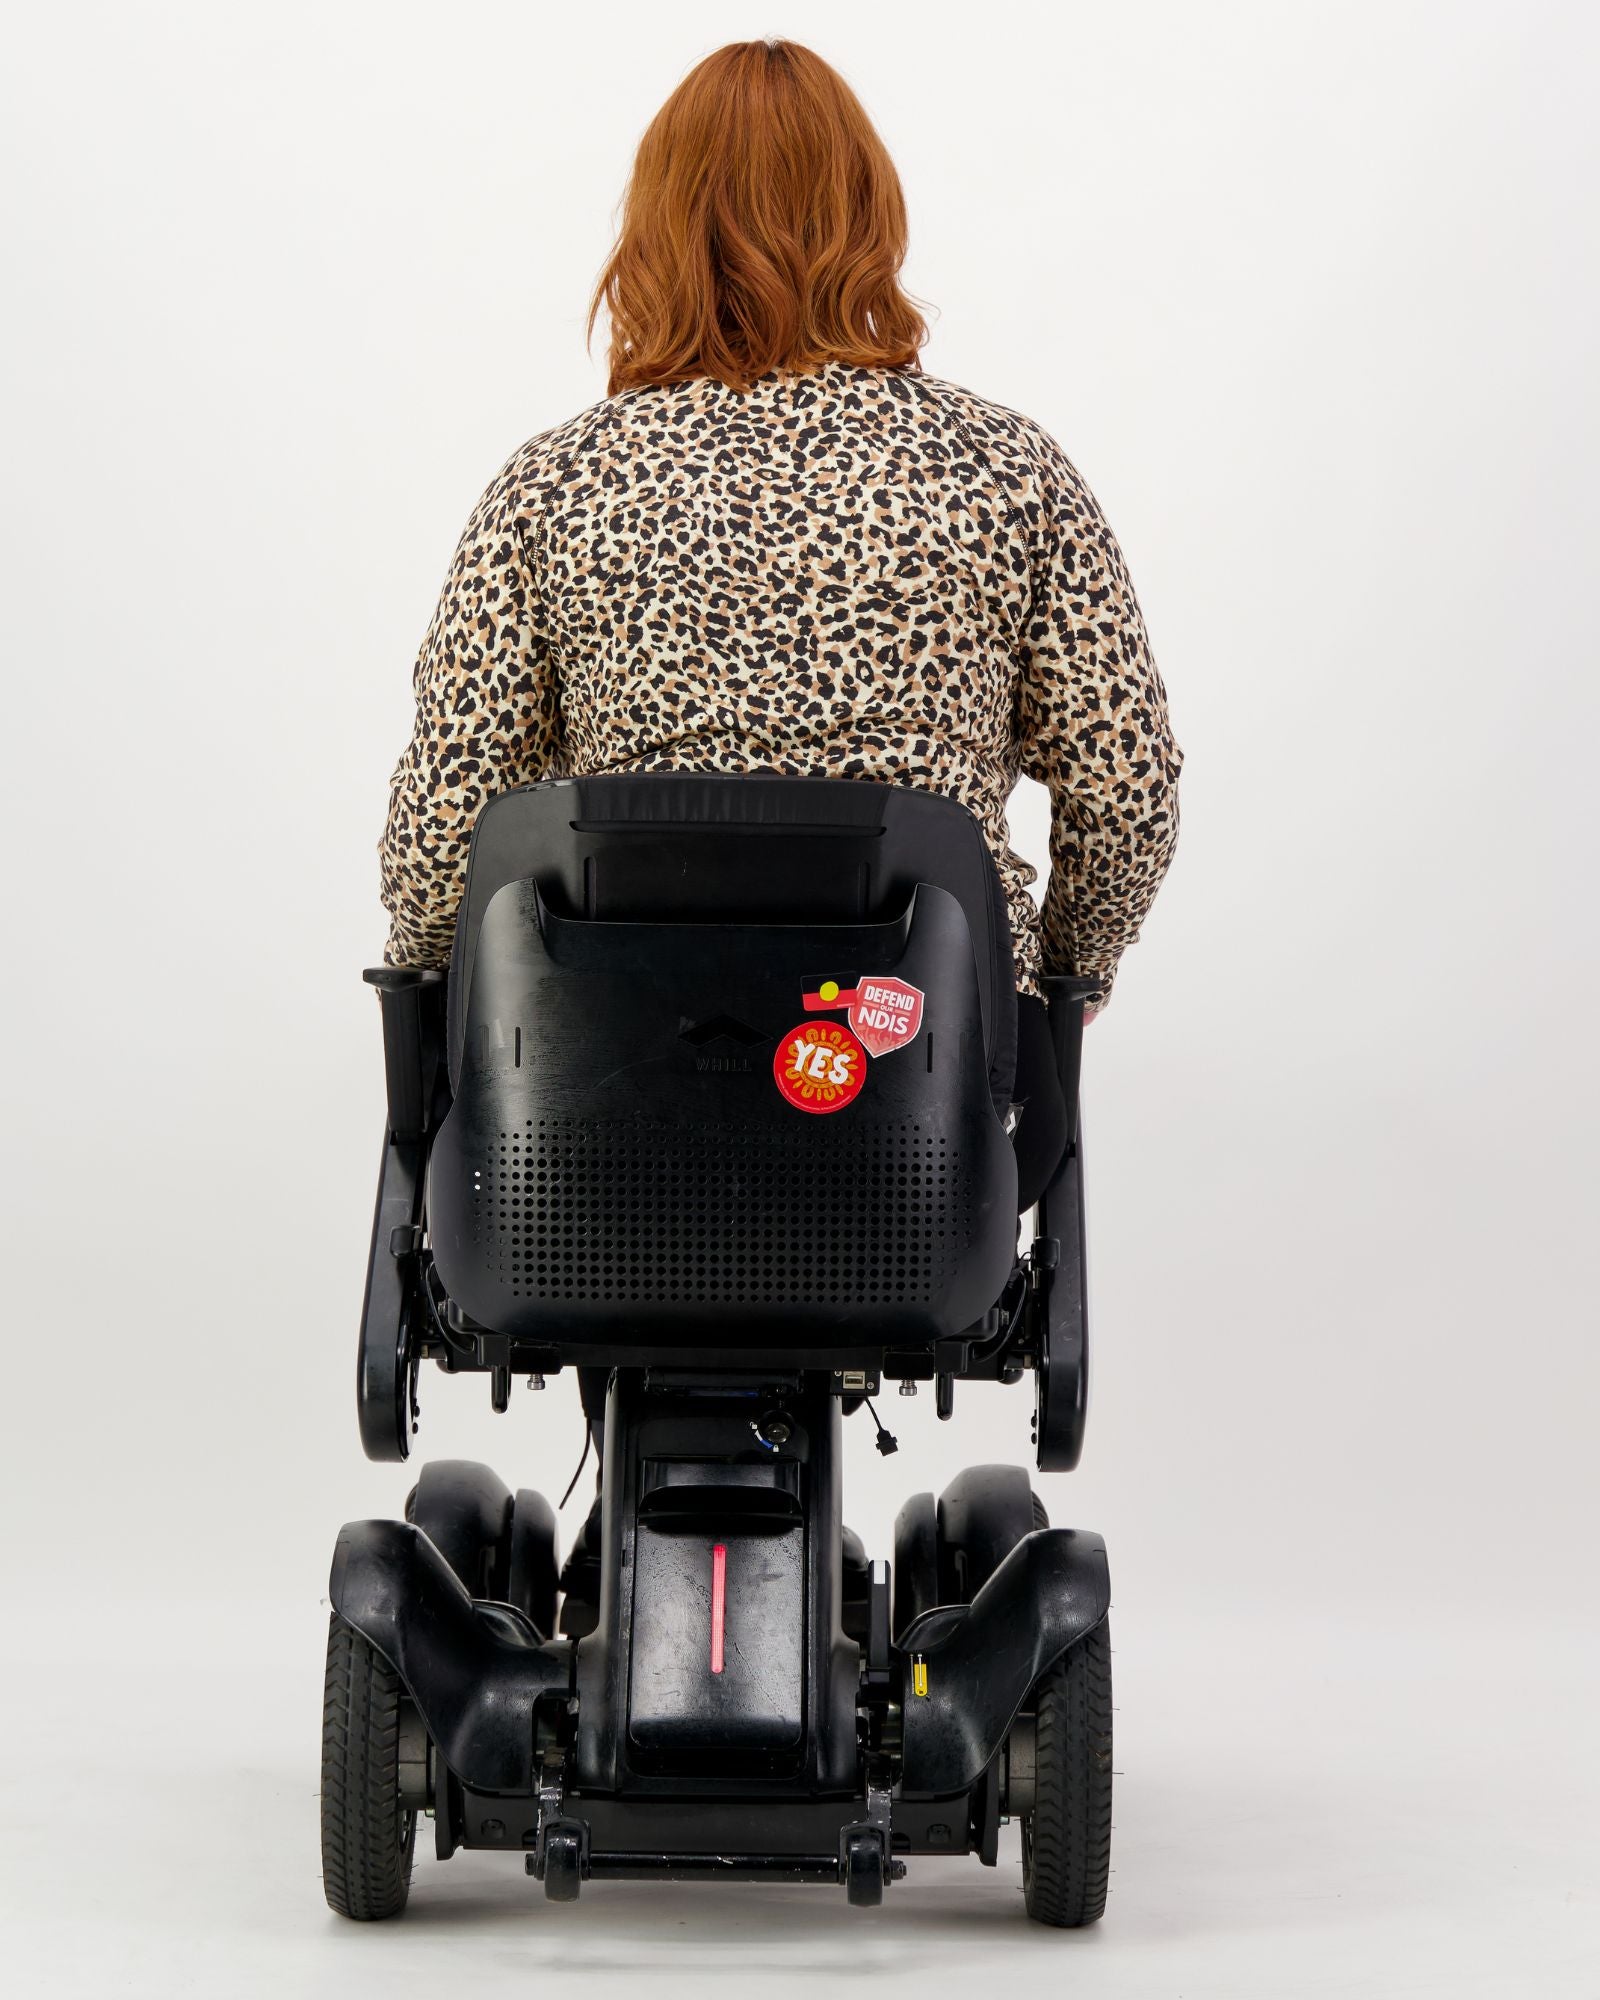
x=487 y=717
x=1092 y=725
x=854 y=572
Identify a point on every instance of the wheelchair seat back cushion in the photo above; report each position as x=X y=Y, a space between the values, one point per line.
x=727 y=1076
x=664 y=847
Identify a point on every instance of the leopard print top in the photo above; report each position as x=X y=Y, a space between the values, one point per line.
x=849 y=573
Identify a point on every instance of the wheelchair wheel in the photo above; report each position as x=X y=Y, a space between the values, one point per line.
x=983 y=1513
x=1066 y=1839
x=465 y=1510
x=533 y=1576
x=916 y=1560
x=367 y=1832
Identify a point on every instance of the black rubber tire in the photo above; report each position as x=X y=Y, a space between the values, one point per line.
x=982 y=1515
x=1066 y=1839
x=1041 y=1517
x=863 y=1870
x=367 y=1834
x=532 y=1573
x=915 y=1578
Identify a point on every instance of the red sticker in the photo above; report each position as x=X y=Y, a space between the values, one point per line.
x=820 y=1066
x=885 y=1013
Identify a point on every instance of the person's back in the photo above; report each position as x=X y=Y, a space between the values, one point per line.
x=778 y=546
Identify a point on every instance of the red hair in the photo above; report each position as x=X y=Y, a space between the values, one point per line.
x=763 y=228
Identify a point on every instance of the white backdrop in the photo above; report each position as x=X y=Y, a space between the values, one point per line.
x=1309 y=293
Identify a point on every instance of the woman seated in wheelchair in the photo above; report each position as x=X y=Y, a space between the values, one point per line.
x=748 y=1070
x=779 y=546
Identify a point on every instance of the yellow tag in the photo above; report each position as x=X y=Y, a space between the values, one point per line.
x=919 y=1676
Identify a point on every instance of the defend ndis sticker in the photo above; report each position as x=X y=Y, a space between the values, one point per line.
x=821 y=1065
x=885 y=1013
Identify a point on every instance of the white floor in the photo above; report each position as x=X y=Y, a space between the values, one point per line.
x=1312 y=1811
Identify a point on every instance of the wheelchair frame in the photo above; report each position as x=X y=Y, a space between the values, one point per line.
x=889 y=1713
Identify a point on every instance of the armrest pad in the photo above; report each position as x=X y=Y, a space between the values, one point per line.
x=412 y=998
x=1065 y=995
x=402 y=978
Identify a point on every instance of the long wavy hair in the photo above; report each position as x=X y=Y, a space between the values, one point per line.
x=763 y=228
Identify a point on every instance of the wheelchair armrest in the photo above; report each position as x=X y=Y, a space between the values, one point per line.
x=412 y=997
x=1062 y=1321
x=1065 y=995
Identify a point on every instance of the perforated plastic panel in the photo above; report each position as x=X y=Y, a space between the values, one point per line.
x=603 y=1185
x=631 y=1212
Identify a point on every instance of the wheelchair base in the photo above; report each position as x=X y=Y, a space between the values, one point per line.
x=917 y=1745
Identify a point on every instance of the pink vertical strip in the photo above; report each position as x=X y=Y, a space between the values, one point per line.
x=719 y=1603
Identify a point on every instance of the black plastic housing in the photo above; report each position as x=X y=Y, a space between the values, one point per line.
x=678 y=847
x=609 y=1177
x=651 y=1719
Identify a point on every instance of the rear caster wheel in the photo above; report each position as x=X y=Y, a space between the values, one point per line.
x=1066 y=1838
x=863 y=1870
x=563 y=1865
x=367 y=1831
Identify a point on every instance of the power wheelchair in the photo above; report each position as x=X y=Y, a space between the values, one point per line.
x=713 y=1108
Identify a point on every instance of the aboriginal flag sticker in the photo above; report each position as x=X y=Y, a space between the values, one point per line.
x=820 y=1066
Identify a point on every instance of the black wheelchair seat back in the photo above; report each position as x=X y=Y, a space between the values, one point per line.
x=670 y=847
x=728 y=1059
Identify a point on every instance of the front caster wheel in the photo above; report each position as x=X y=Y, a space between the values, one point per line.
x=1066 y=1838
x=367 y=1832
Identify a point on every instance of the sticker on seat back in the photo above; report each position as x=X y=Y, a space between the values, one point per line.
x=884 y=1013
x=820 y=1066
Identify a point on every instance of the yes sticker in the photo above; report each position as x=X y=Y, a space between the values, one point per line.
x=820 y=1066
x=885 y=1013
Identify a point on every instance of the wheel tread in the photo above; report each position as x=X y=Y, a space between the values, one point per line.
x=1067 y=1837
x=367 y=1833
